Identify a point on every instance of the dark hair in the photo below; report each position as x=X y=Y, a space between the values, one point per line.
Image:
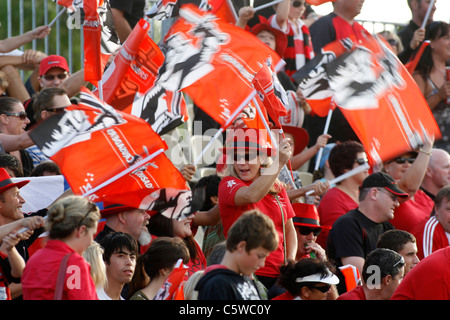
x=443 y=194
x=387 y=262
x=256 y=229
x=50 y=166
x=395 y=239
x=436 y=30
x=162 y=253
x=302 y=268
x=162 y=226
x=117 y=241
x=7 y=104
x=44 y=100
x=343 y=155
x=211 y=185
x=10 y=162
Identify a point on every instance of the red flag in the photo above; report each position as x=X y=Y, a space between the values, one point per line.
x=380 y=100
x=318 y=2
x=92 y=31
x=213 y=62
x=133 y=70
x=173 y=283
x=106 y=144
x=313 y=79
x=264 y=84
x=67 y=3
x=412 y=63
x=224 y=9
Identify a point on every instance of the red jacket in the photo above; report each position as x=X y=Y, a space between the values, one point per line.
x=40 y=273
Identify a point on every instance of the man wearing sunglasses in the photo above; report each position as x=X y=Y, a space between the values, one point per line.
x=355 y=234
x=48 y=102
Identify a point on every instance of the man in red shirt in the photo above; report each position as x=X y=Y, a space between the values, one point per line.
x=429 y=280
x=382 y=273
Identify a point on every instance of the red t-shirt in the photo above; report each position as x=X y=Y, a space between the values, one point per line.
x=229 y=213
x=428 y=280
x=412 y=211
x=430 y=237
x=41 y=271
x=357 y=293
x=335 y=203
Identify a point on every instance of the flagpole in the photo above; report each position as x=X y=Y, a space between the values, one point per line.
x=267 y=5
x=325 y=130
x=121 y=174
x=346 y=175
x=427 y=15
x=57 y=16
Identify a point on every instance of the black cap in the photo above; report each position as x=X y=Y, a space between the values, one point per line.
x=383 y=180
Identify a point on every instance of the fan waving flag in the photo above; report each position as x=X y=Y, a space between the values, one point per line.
x=103 y=152
x=213 y=62
x=380 y=100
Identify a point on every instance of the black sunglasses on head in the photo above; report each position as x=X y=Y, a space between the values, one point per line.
x=307 y=230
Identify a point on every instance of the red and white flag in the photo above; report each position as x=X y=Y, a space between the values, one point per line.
x=173 y=283
x=92 y=33
x=380 y=100
x=318 y=2
x=117 y=155
x=213 y=62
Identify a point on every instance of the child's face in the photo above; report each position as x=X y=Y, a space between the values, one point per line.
x=253 y=260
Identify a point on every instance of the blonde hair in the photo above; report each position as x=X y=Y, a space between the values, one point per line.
x=94 y=256
x=229 y=170
x=70 y=213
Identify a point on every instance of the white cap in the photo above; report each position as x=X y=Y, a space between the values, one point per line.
x=317 y=277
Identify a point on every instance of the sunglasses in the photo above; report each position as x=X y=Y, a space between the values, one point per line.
x=323 y=289
x=392 y=196
x=297 y=3
x=55 y=110
x=403 y=160
x=307 y=230
x=51 y=77
x=361 y=161
x=246 y=156
x=22 y=115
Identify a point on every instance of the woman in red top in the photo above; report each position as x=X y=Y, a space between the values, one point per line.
x=72 y=224
x=250 y=182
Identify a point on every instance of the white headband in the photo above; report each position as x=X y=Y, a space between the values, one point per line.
x=330 y=278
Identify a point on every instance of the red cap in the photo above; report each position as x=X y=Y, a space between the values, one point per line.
x=307 y=215
x=52 y=61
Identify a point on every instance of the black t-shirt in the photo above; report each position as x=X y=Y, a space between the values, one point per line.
x=134 y=9
x=225 y=284
x=353 y=234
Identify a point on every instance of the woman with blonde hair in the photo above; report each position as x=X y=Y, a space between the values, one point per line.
x=250 y=181
x=58 y=271
x=94 y=256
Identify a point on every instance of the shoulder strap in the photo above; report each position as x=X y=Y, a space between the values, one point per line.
x=61 y=276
